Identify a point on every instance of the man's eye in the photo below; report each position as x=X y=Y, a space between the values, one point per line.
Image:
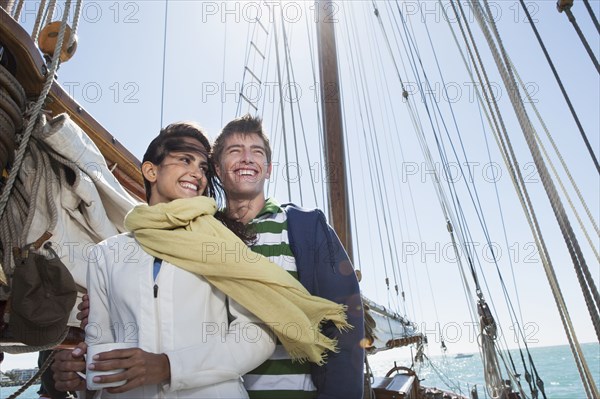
x=185 y=159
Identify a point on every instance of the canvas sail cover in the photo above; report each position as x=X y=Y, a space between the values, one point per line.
x=74 y=199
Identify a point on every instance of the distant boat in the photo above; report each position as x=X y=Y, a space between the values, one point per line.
x=463 y=355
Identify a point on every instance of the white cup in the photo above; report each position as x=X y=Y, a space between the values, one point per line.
x=92 y=351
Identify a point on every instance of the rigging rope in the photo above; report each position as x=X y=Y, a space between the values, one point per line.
x=416 y=219
x=449 y=180
x=76 y=17
x=9 y=6
x=561 y=86
x=592 y=15
x=282 y=109
x=223 y=72
x=357 y=71
x=287 y=58
x=525 y=123
x=38 y=21
x=164 y=62
x=541 y=245
x=393 y=249
x=35 y=377
x=504 y=153
x=586 y=45
x=557 y=176
x=49 y=14
x=35 y=113
x=485 y=93
x=318 y=112
x=443 y=377
x=18 y=9
x=413 y=113
x=560 y=157
x=588 y=286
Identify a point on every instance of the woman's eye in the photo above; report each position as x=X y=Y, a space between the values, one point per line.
x=185 y=159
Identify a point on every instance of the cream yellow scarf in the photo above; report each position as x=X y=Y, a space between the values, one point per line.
x=185 y=233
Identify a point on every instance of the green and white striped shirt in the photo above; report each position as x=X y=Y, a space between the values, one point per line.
x=278 y=377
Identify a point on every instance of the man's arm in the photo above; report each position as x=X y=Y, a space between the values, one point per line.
x=65 y=366
x=335 y=279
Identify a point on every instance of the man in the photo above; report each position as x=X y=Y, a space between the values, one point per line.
x=304 y=244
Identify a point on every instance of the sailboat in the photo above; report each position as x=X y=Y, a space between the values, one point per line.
x=383 y=89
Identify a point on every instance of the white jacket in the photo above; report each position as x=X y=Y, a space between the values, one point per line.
x=188 y=321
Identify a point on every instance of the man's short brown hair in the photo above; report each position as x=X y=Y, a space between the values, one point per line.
x=244 y=125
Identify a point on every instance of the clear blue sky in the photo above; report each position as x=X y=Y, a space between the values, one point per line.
x=116 y=76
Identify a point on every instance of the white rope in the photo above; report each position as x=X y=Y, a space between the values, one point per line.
x=555 y=173
x=18 y=9
x=76 y=17
x=44 y=176
x=23 y=204
x=38 y=21
x=49 y=13
x=9 y=6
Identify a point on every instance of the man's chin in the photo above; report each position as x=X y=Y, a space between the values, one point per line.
x=243 y=193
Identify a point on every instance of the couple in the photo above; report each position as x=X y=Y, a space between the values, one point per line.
x=200 y=348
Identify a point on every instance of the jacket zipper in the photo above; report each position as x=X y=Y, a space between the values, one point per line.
x=156 y=270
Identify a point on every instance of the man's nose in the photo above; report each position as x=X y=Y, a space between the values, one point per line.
x=247 y=156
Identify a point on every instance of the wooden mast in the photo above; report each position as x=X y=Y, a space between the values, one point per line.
x=332 y=123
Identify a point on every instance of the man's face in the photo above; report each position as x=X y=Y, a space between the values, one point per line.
x=243 y=167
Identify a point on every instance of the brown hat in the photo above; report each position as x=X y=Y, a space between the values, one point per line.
x=43 y=295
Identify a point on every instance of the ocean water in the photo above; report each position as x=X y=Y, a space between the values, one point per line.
x=555 y=366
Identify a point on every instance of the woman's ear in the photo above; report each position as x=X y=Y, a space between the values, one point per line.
x=149 y=171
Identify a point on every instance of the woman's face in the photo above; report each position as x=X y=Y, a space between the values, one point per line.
x=179 y=175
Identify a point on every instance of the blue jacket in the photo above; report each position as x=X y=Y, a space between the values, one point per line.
x=325 y=270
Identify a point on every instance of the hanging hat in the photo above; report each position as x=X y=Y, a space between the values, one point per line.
x=43 y=295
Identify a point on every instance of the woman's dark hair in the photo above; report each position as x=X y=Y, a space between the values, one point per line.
x=170 y=140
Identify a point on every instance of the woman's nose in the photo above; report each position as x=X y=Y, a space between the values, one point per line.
x=197 y=172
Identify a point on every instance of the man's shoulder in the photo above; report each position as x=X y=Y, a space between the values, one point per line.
x=296 y=209
x=304 y=224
